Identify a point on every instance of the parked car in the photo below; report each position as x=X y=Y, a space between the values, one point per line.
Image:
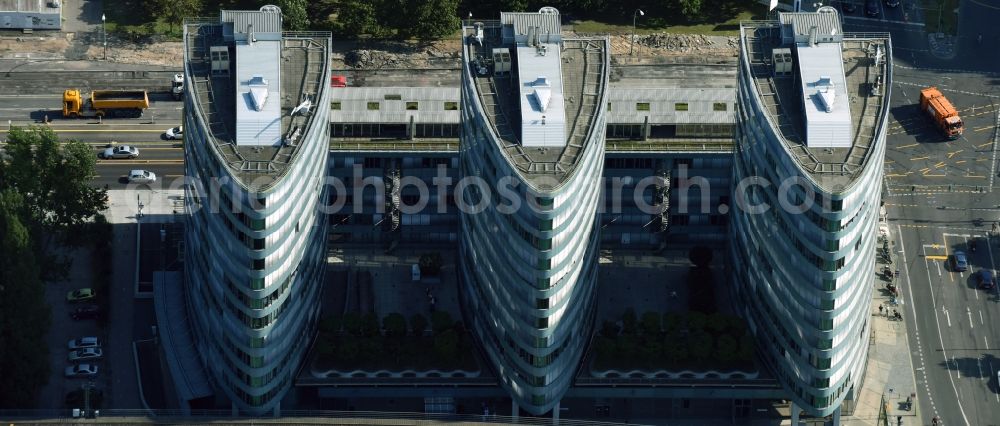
x=85 y=354
x=175 y=132
x=959 y=262
x=80 y=295
x=141 y=176
x=872 y=8
x=986 y=279
x=120 y=151
x=892 y=3
x=81 y=370
x=84 y=342
x=86 y=312
x=848 y=7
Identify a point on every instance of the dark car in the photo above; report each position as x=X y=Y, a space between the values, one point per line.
x=986 y=279
x=872 y=8
x=959 y=263
x=892 y=3
x=86 y=312
x=848 y=7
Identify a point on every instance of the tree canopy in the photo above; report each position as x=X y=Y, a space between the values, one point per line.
x=45 y=196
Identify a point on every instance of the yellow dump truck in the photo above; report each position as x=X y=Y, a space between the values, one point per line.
x=105 y=103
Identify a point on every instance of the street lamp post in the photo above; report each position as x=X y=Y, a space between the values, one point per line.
x=636 y=14
x=104 y=31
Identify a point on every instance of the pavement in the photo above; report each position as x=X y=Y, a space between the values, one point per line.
x=889 y=379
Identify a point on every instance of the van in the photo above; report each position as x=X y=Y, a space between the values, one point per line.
x=986 y=278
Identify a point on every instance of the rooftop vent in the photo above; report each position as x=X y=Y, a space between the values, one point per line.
x=258 y=91
x=825 y=93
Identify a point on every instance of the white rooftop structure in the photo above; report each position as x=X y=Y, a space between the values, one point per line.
x=543 y=108
x=824 y=91
x=258 y=92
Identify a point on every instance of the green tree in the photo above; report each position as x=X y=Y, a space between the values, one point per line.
x=293 y=14
x=446 y=345
x=174 y=11
x=394 y=325
x=717 y=322
x=701 y=345
x=726 y=348
x=369 y=325
x=629 y=322
x=419 y=324
x=651 y=323
x=24 y=314
x=54 y=180
x=352 y=324
x=609 y=329
x=674 y=349
x=747 y=347
x=696 y=321
x=441 y=321
x=330 y=325
x=672 y=322
x=428 y=19
x=357 y=17
x=691 y=9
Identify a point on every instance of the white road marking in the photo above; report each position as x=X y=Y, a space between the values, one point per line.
x=947 y=316
x=969 y=312
x=981 y=322
x=957 y=371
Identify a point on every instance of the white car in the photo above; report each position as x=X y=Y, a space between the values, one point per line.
x=84 y=342
x=141 y=176
x=85 y=354
x=175 y=132
x=120 y=151
x=81 y=370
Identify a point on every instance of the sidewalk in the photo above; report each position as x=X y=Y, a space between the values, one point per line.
x=890 y=370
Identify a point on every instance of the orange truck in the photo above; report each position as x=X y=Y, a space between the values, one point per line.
x=942 y=112
x=105 y=103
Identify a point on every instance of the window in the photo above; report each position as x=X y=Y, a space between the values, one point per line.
x=256 y=362
x=681 y=106
x=541 y=342
x=609 y=106
x=821 y=382
x=412 y=106
x=373 y=106
x=335 y=105
x=257 y=224
x=538 y=399
x=258 y=264
x=545 y=225
x=258 y=244
x=826 y=324
x=256 y=283
x=826 y=304
x=829 y=285
x=544 y=244
x=719 y=106
x=451 y=106
x=256 y=342
x=393 y=97
x=541 y=303
x=544 y=264
x=642 y=106
x=542 y=283
x=824 y=344
x=542 y=322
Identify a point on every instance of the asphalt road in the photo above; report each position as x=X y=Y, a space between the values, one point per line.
x=939 y=198
x=161 y=156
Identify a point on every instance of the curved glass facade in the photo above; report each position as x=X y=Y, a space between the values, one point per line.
x=528 y=252
x=254 y=258
x=803 y=276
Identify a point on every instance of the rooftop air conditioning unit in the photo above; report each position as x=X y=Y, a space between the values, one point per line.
x=782 y=60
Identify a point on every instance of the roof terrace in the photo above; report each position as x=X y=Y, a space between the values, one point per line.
x=212 y=73
x=863 y=99
x=494 y=50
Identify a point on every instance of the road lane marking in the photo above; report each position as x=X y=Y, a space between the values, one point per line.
x=979 y=129
x=957 y=371
x=981 y=317
x=919 y=158
x=935 y=257
x=907 y=146
x=984 y=145
x=952 y=154
x=969 y=312
x=947 y=316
